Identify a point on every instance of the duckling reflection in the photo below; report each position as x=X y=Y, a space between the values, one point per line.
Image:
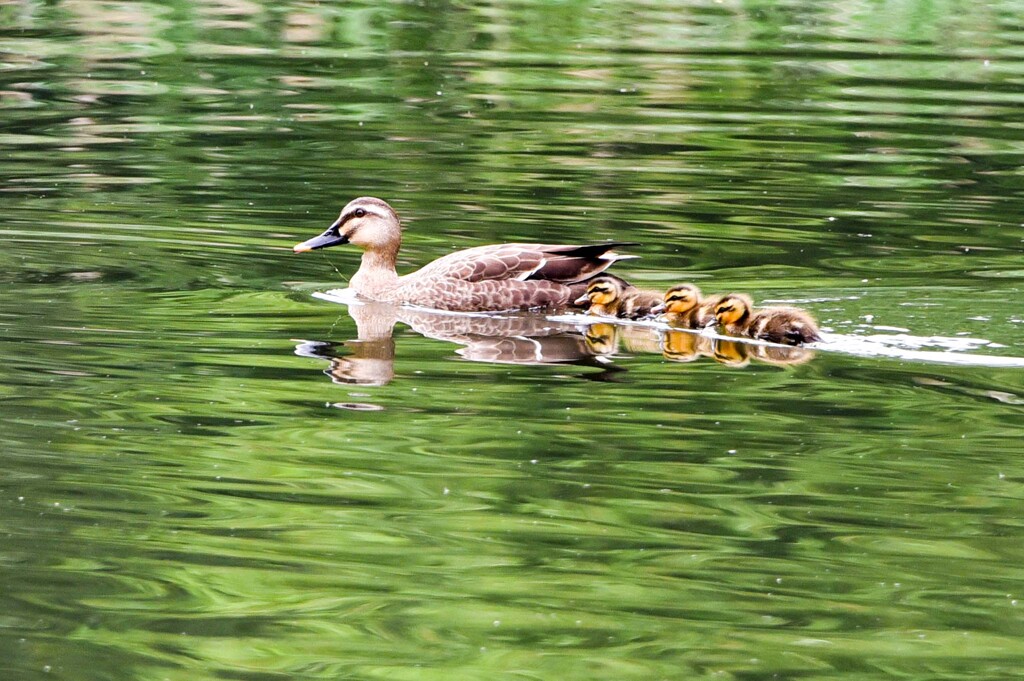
x=602 y=339
x=605 y=339
x=774 y=354
x=731 y=353
x=513 y=339
x=687 y=346
x=681 y=346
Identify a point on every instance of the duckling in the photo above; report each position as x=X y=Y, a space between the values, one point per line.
x=685 y=308
x=610 y=296
x=788 y=325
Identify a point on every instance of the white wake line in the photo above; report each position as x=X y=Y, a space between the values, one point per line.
x=900 y=346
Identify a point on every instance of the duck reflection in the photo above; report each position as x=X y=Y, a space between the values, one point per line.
x=515 y=339
x=369 y=359
x=354 y=362
x=606 y=339
x=687 y=346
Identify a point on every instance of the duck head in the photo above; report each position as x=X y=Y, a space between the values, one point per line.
x=366 y=222
x=602 y=291
x=680 y=299
x=733 y=309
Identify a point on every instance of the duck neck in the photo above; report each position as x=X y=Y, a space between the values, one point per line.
x=376 y=272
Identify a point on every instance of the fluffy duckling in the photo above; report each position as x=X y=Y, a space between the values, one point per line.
x=685 y=308
x=735 y=313
x=610 y=296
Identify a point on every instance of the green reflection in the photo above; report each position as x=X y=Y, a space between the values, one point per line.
x=186 y=494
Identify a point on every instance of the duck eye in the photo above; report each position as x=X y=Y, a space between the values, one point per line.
x=359 y=212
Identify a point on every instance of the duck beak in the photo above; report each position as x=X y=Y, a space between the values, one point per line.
x=330 y=237
x=658 y=308
x=582 y=300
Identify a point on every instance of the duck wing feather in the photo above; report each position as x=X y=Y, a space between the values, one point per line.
x=523 y=261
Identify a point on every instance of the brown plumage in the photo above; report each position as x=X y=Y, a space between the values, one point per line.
x=609 y=296
x=788 y=325
x=686 y=308
x=486 y=278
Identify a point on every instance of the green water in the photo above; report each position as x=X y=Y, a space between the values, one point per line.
x=186 y=494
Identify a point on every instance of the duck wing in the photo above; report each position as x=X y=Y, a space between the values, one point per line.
x=571 y=264
x=561 y=263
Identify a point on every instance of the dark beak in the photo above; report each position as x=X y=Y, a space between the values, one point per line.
x=331 y=237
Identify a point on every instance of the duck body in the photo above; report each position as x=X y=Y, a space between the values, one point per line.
x=736 y=315
x=786 y=325
x=498 y=277
x=684 y=307
x=703 y=315
x=610 y=296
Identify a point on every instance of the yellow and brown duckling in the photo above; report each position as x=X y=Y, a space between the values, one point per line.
x=736 y=314
x=686 y=308
x=610 y=296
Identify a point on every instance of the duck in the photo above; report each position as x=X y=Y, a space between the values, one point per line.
x=736 y=314
x=684 y=307
x=497 y=277
x=610 y=296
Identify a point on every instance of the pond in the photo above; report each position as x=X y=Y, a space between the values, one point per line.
x=211 y=468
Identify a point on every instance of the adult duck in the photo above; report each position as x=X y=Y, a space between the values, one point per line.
x=486 y=278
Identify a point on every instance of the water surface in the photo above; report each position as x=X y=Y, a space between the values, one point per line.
x=186 y=494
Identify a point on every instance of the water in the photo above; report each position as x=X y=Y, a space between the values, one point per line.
x=187 y=494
